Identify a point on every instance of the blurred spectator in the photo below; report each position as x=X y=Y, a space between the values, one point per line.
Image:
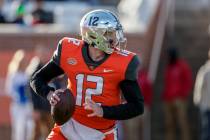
x=41 y=107
x=202 y=98
x=146 y=87
x=41 y=16
x=147 y=91
x=19 y=12
x=178 y=83
x=2 y=18
x=16 y=85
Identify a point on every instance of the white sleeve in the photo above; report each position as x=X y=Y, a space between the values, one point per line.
x=198 y=87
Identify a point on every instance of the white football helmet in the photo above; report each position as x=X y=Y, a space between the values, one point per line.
x=102 y=30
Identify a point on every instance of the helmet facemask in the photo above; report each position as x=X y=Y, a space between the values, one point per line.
x=122 y=41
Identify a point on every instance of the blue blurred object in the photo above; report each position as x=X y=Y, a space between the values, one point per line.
x=21 y=90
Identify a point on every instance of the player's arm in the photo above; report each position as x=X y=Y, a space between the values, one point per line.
x=133 y=107
x=132 y=93
x=40 y=79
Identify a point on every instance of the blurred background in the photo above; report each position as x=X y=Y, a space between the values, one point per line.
x=171 y=37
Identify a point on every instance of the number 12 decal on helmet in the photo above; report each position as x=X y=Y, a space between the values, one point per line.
x=93 y=21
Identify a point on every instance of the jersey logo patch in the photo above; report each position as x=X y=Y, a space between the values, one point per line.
x=71 y=61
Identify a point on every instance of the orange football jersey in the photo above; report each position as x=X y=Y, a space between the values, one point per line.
x=100 y=84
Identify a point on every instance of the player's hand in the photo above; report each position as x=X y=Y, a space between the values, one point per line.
x=53 y=97
x=91 y=105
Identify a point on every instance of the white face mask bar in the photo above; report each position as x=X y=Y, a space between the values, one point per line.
x=122 y=41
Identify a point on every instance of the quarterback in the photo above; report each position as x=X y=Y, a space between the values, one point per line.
x=99 y=69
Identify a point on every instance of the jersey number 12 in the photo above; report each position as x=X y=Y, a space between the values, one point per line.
x=88 y=91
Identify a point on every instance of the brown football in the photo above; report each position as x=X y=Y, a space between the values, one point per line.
x=64 y=109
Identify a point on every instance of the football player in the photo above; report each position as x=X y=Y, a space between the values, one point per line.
x=98 y=69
